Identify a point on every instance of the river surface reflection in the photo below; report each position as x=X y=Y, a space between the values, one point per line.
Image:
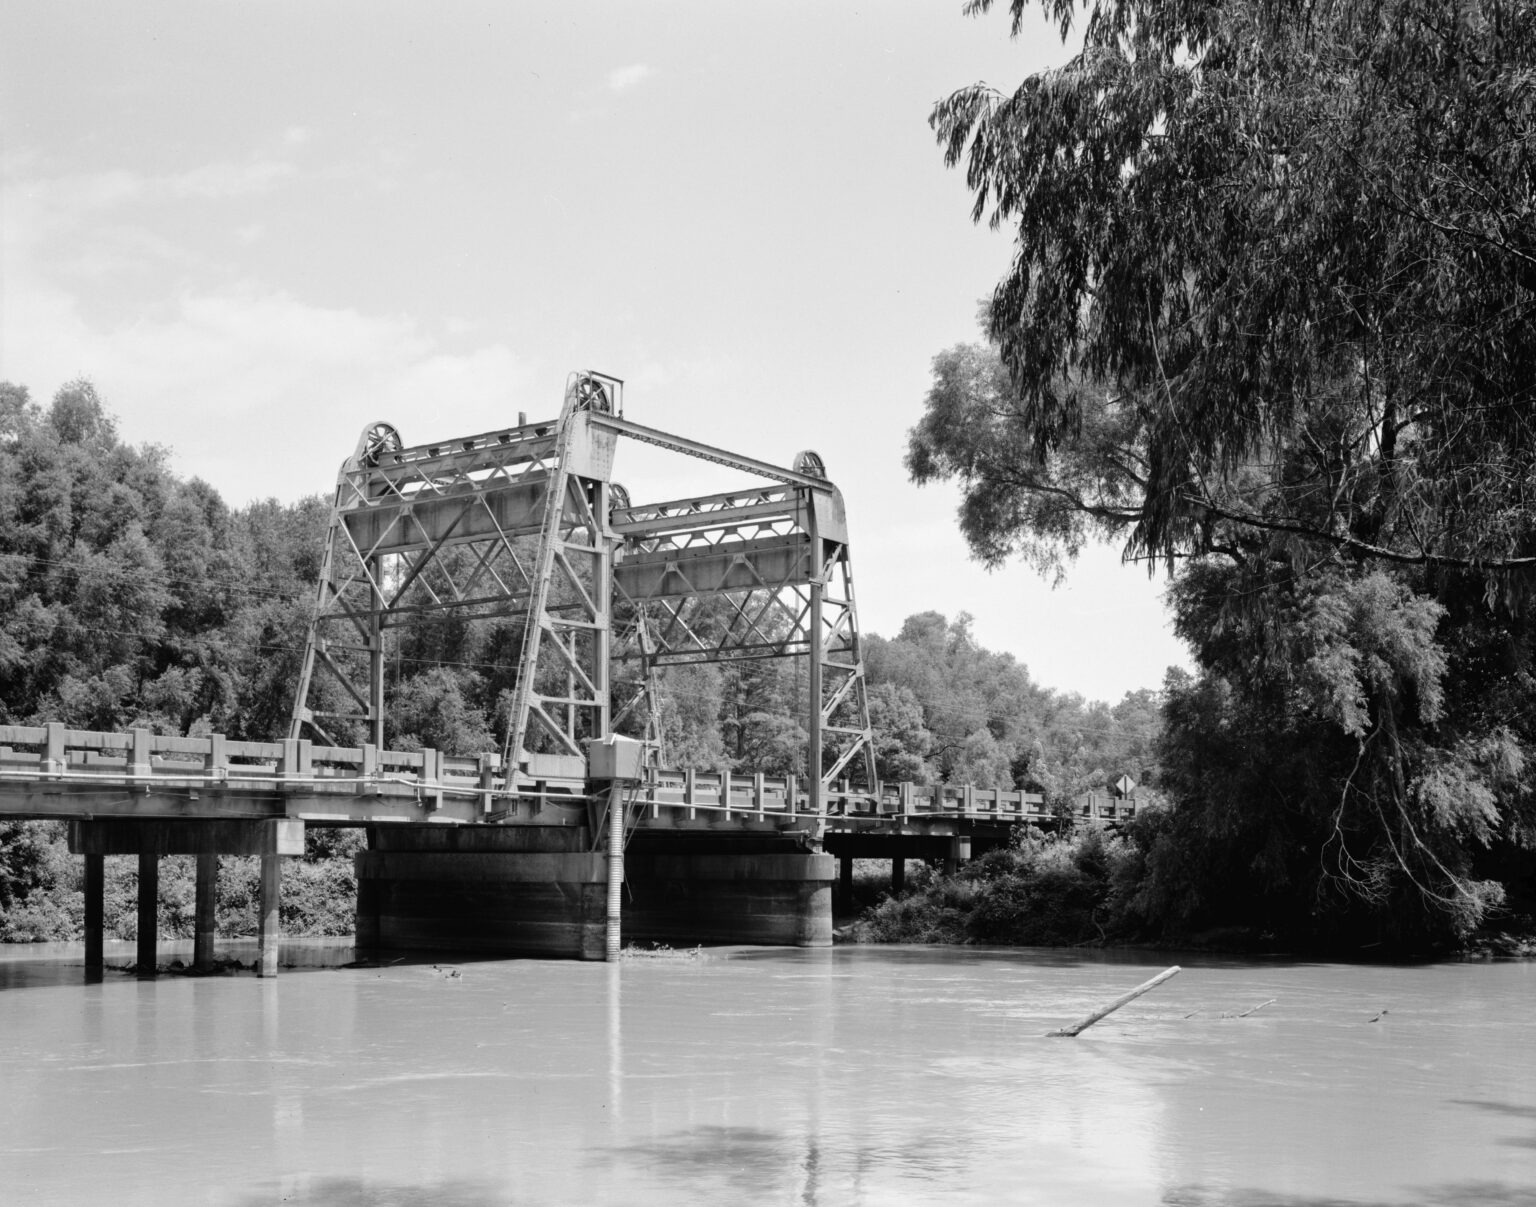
x=843 y=1076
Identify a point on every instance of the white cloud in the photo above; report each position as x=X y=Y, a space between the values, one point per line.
x=259 y=392
x=226 y=178
x=256 y=389
x=49 y=202
x=621 y=78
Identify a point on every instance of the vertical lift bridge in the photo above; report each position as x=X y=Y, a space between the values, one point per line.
x=593 y=596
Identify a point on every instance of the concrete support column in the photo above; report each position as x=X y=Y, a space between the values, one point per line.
x=845 y=883
x=151 y=838
x=95 y=912
x=959 y=852
x=898 y=874
x=270 y=933
x=204 y=924
x=149 y=911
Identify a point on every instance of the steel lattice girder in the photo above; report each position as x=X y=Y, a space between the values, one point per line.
x=730 y=576
x=515 y=525
x=470 y=526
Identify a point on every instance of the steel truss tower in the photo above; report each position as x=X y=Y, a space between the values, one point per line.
x=523 y=530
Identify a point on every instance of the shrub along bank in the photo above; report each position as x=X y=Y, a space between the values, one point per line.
x=1039 y=891
x=1091 y=888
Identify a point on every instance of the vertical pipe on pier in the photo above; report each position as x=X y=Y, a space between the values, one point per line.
x=959 y=853
x=270 y=932
x=615 y=869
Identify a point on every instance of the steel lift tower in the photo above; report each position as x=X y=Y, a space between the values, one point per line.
x=523 y=530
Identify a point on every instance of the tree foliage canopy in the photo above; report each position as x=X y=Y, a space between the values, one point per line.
x=946 y=709
x=1269 y=322
x=129 y=596
x=1273 y=285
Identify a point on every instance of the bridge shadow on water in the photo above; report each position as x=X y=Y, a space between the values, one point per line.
x=367 y=1192
x=714 y=1163
x=747 y=1159
x=1481 y=1193
x=752 y=1164
x=1066 y=957
x=48 y=965
x=1508 y=1110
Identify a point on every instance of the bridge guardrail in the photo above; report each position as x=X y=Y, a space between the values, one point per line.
x=56 y=752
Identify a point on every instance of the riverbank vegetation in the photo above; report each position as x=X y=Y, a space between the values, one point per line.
x=1097 y=888
x=1040 y=891
x=1269 y=327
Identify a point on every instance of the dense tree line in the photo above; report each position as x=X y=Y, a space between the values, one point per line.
x=1269 y=324
x=946 y=710
x=943 y=709
x=132 y=598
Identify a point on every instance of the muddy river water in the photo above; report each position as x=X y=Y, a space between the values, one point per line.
x=842 y=1076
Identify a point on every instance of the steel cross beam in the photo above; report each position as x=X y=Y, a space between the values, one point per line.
x=707 y=452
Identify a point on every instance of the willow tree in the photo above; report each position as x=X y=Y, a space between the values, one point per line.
x=1270 y=312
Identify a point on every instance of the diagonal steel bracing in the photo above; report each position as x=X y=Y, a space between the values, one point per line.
x=504 y=526
x=522 y=527
x=745 y=574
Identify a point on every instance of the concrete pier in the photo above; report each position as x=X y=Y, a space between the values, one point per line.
x=541 y=891
x=778 y=899
x=149 y=839
x=520 y=890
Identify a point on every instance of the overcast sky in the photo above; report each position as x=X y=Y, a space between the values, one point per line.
x=258 y=227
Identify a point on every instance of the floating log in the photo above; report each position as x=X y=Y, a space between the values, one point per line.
x=1260 y=1006
x=1117 y=1003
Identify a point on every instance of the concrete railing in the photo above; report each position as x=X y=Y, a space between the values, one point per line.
x=57 y=753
